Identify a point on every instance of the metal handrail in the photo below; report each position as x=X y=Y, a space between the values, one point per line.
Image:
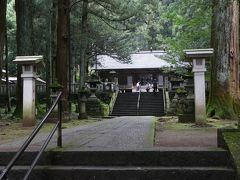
x=164 y=100
x=138 y=101
x=4 y=174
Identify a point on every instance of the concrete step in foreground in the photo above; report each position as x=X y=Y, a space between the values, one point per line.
x=124 y=173
x=126 y=165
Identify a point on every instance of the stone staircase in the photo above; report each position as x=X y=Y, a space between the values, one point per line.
x=125 y=105
x=163 y=164
x=151 y=104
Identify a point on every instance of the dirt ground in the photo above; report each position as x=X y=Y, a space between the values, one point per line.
x=170 y=133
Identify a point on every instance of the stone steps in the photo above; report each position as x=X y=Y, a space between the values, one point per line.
x=203 y=157
x=124 y=173
x=167 y=164
x=151 y=104
x=125 y=105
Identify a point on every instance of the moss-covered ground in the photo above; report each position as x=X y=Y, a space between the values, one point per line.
x=170 y=133
x=233 y=142
x=171 y=122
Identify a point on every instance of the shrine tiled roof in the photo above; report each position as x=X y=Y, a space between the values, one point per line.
x=139 y=60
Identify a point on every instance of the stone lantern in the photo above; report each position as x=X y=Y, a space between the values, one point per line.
x=29 y=75
x=198 y=58
x=112 y=75
x=113 y=85
x=93 y=83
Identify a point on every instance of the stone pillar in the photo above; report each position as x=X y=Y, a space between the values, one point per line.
x=198 y=57
x=199 y=94
x=29 y=70
x=82 y=107
x=29 y=109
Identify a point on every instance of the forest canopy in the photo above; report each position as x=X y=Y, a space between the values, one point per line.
x=121 y=27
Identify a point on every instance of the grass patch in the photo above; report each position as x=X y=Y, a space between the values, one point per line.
x=151 y=134
x=176 y=126
x=232 y=140
x=222 y=123
x=171 y=123
x=74 y=123
x=12 y=130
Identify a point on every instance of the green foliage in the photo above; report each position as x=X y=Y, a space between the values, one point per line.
x=104 y=110
x=150 y=30
x=110 y=29
x=181 y=90
x=41 y=110
x=190 y=25
x=55 y=85
x=11 y=32
x=84 y=92
x=105 y=97
x=97 y=108
x=120 y=27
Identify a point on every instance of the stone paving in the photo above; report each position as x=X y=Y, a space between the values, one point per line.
x=126 y=133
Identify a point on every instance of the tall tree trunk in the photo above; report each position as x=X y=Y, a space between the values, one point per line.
x=70 y=67
x=7 y=72
x=50 y=71
x=63 y=48
x=224 y=98
x=83 y=59
x=48 y=67
x=53 y=48
x=84 y=42
x=3 y=8
x=24 y=44
x=234 y=48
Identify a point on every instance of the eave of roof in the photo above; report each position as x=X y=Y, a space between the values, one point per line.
x=139 y=60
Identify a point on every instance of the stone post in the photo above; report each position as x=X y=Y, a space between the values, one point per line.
x=29 y=76
x=198 y=57
x=82 y=108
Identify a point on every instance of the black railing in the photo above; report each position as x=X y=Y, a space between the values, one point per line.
x=4 y=174
x=138 y=101
x=164 y=100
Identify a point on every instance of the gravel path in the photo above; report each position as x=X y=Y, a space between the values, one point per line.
x=127 y=133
